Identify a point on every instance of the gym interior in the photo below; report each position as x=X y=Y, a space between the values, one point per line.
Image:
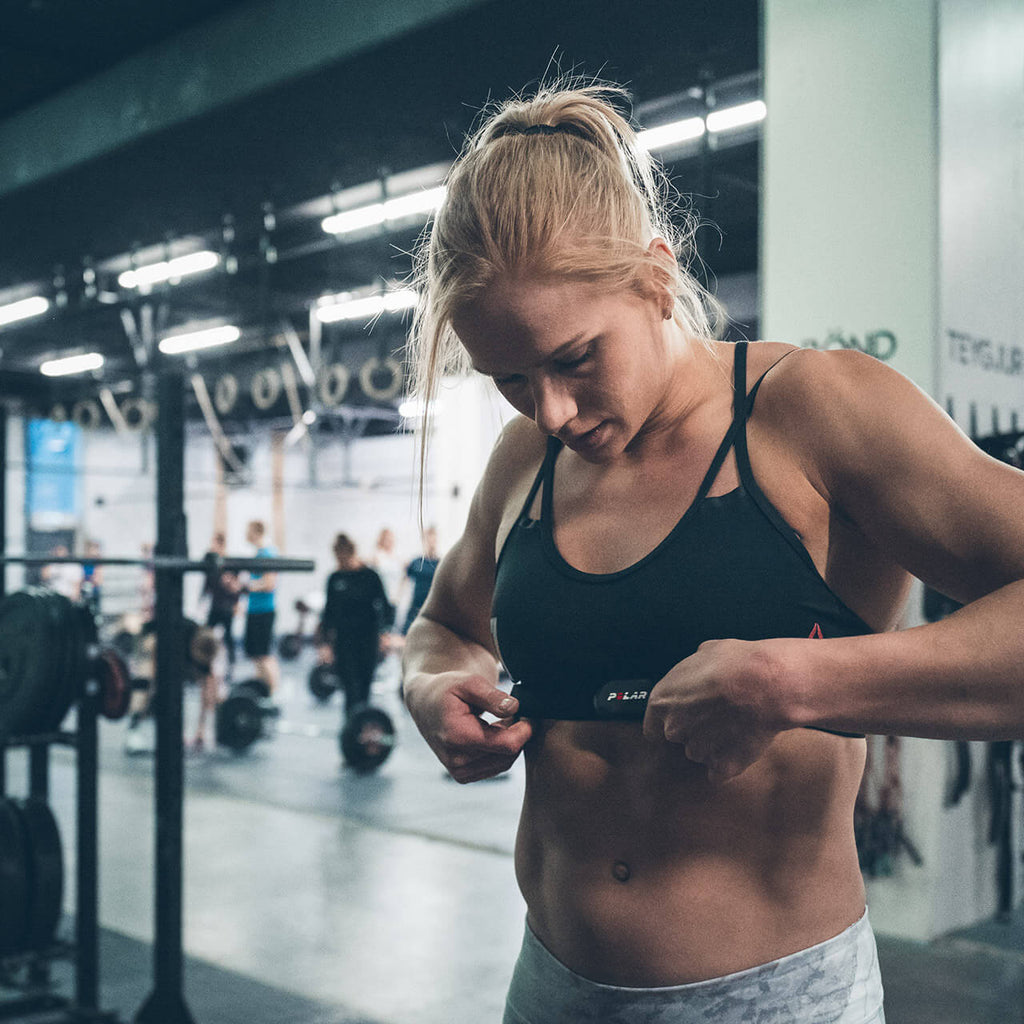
x=207 y=211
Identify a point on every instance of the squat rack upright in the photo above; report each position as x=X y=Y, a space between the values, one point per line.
x=166 y=1003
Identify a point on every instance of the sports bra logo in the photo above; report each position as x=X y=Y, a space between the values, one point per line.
x=816 y=633
x=622 y=698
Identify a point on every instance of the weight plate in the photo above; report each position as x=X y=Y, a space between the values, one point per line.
x=323 y=682
x=367 y=738
x=27 y=656
x=256 y=688
x=45 y=859
x=14 y=908
x=289 y=647
x=239 y=722
x=115 y=684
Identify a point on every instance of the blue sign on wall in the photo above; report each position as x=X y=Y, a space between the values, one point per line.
x=51 y=486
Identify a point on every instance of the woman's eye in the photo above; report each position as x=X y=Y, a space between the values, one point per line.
x=572 y=364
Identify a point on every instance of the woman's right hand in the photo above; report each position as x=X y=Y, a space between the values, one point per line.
x=448 y=708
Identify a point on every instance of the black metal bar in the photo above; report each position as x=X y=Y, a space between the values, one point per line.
x=3 y=497
x=178 y=563
x=87 y=831
x=166 y=1003
x=39 y=771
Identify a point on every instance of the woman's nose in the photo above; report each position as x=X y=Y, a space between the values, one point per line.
x=553 y=407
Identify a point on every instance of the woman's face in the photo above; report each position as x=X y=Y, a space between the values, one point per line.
x=589 y=366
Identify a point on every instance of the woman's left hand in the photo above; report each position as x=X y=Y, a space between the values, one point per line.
x=720 y=704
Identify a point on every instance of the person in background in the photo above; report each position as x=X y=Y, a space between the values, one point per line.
x=388 y=565
x=146 y=593
x=223 y=589
x=63 y=577
x=420 y=571
x=260 y=610
x=92 y=578
x=355 y=615
x=205 y=661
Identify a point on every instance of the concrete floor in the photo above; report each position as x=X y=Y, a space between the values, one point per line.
x=314 y=894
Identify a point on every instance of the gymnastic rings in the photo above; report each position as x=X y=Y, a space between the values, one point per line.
x=58 y=414
x=333 y=384
x=86 y=414
x=225 y=393
x=265 y=388
x=138 y=414
x=381 y=379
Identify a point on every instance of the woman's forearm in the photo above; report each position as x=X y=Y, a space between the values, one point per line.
x=960 y=678
x=431 y=648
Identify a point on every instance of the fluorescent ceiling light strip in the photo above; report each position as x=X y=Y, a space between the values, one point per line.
x=23 y=309
x=179 y=343
x=71 y=364
x=737 y=117
x=672 y=134
x=424 y=202
x=342 y=307
x=180 y=266
x=354 y=220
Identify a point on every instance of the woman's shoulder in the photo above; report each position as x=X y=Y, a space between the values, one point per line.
x=516 y=456
x=840 y=410
x=803 y=382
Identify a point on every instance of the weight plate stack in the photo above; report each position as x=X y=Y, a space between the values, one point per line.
x=45 y=874
x=29 y=658
x=14 y=880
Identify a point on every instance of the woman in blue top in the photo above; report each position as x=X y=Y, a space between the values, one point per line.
x=261 y=610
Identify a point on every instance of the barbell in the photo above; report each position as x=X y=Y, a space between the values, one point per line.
x=208 y=563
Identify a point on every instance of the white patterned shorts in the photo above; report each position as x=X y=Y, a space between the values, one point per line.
x=833 y=982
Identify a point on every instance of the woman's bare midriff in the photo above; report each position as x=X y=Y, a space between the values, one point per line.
x=637 y=872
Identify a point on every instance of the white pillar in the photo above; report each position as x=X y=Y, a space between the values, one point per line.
x=849 y=222
x=876 y=109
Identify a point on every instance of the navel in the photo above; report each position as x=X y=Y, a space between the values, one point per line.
x=621 y=871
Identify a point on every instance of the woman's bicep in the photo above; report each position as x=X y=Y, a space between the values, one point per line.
x=913 y=483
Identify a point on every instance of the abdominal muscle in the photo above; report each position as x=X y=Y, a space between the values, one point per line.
x=637 y=872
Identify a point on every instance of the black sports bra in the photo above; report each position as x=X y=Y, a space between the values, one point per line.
x=592 y=646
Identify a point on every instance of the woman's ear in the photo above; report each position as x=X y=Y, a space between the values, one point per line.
x=662 y=278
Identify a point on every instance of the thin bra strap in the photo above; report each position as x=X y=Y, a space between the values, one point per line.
x=746 y=473
x=739 y=385
x=739 y=379
x=524 y=514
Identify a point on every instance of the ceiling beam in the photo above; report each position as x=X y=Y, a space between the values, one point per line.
x=248 y=49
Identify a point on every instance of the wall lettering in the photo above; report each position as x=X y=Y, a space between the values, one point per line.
x=995 y=357
x=881 y=344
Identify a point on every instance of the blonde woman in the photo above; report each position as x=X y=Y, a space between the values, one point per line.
x=690 y=556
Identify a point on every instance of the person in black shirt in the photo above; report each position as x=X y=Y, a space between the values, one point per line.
x=223 y=589
x=356 y=613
